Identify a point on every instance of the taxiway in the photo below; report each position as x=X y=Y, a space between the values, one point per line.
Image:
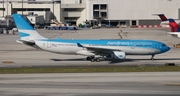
x=13 y=54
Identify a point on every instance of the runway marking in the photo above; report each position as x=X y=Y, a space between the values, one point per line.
x=173 y=84
x=63 y=64
x=88 y=64
x=28 y=66
x=138 y=65
x=29 y=49
x=7 y=62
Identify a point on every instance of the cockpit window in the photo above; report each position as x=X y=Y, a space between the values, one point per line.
x=163 y=44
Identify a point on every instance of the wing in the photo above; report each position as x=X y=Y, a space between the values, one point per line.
x=99 y=50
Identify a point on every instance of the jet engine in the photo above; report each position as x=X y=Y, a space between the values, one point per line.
x=118 y=55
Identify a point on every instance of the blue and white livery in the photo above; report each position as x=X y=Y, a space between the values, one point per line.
x=116 y=49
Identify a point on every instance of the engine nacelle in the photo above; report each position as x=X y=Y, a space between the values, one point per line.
x=118 y=55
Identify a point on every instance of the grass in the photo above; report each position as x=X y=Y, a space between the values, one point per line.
x=90 y=69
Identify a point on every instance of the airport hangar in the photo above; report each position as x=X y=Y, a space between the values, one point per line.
x=101 y=12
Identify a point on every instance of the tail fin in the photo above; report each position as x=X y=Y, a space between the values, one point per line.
x=163 y=17
x=173 y=25
x=26 y=31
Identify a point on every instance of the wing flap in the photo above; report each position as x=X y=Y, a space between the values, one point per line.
x=98 y=49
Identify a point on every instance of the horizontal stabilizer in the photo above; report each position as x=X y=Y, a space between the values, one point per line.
x=26 y=42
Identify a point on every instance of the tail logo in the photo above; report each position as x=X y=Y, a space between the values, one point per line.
x=23 y=34
x=173 y=25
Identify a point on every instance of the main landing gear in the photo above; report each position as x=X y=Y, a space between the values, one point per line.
x=93 y=59
x=152 y=58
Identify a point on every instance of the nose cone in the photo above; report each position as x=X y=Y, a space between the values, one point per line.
x=165 y=49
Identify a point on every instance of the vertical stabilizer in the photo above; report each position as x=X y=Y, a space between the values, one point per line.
x=26 y=31
x=173 y=25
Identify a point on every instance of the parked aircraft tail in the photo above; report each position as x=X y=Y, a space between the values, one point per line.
x=163 y=17
x=26 y=31
x=173 y=25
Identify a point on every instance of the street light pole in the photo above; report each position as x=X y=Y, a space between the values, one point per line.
x=3 y=8
x=22 y=7
x=53 y=9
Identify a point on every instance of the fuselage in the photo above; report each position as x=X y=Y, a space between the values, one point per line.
x=130 y=47
x=174 y=34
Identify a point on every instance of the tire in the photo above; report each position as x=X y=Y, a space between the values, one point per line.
x=97 y=60
x=88 y=58
x=152 y=59
x=92 y=60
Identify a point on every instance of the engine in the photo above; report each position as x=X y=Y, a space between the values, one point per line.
x=118 y=55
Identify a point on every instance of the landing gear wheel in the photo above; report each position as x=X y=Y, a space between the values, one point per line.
x=88 y=58
x=97 y=59
x=92 y=60
x=152 y=58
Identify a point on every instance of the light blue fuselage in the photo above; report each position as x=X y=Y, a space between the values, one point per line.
x=130 y=47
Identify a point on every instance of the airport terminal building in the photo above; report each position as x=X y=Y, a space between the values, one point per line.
x=102 y=12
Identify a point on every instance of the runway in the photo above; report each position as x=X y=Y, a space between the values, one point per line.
x=91 y=84
x=13 y=54
x=43 y=59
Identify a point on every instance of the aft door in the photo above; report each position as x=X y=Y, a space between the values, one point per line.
x=48 y=44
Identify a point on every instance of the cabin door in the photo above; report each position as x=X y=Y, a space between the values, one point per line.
x=48 y=44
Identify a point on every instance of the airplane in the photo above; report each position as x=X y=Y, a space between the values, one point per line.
x=175 y=28
x=93 y=49
x=164 y=20
x=173 y=25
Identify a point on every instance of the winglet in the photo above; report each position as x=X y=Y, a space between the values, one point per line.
x=79 y=45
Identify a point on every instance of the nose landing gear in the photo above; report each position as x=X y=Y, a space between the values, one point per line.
x=152 y=58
